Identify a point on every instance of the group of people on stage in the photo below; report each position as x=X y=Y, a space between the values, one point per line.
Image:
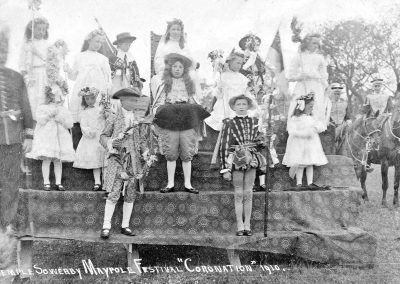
x=106 y=122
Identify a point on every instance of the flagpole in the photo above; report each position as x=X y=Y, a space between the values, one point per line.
x=268 y=142
x=34 y=5
x=107 y=39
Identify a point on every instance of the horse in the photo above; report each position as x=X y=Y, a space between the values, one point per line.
x=388 y=153
x=359 y=139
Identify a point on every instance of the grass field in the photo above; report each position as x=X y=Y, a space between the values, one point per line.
x=383 y=223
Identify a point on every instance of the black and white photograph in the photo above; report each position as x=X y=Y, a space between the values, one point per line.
x=199 y=141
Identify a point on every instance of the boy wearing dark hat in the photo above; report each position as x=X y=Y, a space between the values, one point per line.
x=125 y=72
x=121 y=175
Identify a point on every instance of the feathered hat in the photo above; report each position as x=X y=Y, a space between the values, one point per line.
x=248 y=41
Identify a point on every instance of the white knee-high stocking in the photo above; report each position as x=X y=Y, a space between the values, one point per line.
x=108 y=213
x=299 y=175
x=96 y=175
x=57 y=170
x=262 y=179
x=126 y=214
x=310 y=174
x=46 y=171
x=171 y=167
x=187 y=173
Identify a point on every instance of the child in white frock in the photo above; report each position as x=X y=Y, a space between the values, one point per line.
x=233 y=83
x=303 y=148
x=89 y=153
x=52 y=141
x=32 y=61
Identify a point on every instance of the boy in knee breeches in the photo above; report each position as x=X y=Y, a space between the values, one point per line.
x=117 y=173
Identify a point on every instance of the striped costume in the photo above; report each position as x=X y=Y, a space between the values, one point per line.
x=241 y=131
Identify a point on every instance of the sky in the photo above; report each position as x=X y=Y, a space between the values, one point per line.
x=209 y=24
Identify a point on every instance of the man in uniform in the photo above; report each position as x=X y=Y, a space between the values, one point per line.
x=379 y=98
x=16 y=130
x=340 y=115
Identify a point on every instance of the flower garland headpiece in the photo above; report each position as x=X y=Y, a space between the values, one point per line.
x=89 y=91
x=297 y=30
x=250 y=41
x=215 y=54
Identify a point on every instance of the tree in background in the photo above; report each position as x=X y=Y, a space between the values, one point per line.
x=350 y=47
x=386 y=48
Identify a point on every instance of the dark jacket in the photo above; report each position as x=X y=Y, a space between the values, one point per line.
x=16 y=120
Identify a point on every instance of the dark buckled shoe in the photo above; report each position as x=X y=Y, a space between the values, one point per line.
x=105 y=234
x=263 y=188
x=60 y=187
x=46 y=187
x=191 y=190
x=127 y=232
x=167 y=189
x=97 y=187
x=313 y=186
x=105 y=196
x=240 y=233
x=255 y=188
x=248 y=233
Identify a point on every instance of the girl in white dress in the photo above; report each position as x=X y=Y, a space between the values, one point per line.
x=52 y=141
x=90 y=154
x=32 y=62
x=309 y=70
x=303 y=148
x=91 y=69
x=173 y=41
x=232 y=83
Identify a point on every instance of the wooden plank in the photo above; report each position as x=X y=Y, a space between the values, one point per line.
x=24 y=256
x=133 y=258
x=233 y=256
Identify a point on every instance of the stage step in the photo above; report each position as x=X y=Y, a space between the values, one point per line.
x=316 y=225
x=339 y=172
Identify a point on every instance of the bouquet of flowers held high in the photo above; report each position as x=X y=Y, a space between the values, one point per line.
x=216 y=58
x=55 y=54
x=105 y=102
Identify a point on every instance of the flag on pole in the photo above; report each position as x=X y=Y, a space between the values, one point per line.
x=109 y=51
x=107 y=48
x=275 y=58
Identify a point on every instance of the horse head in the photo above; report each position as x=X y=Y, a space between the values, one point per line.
x=372 y=129
x=366 y=111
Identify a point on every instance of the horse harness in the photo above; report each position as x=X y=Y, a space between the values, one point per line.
x=368 y=139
